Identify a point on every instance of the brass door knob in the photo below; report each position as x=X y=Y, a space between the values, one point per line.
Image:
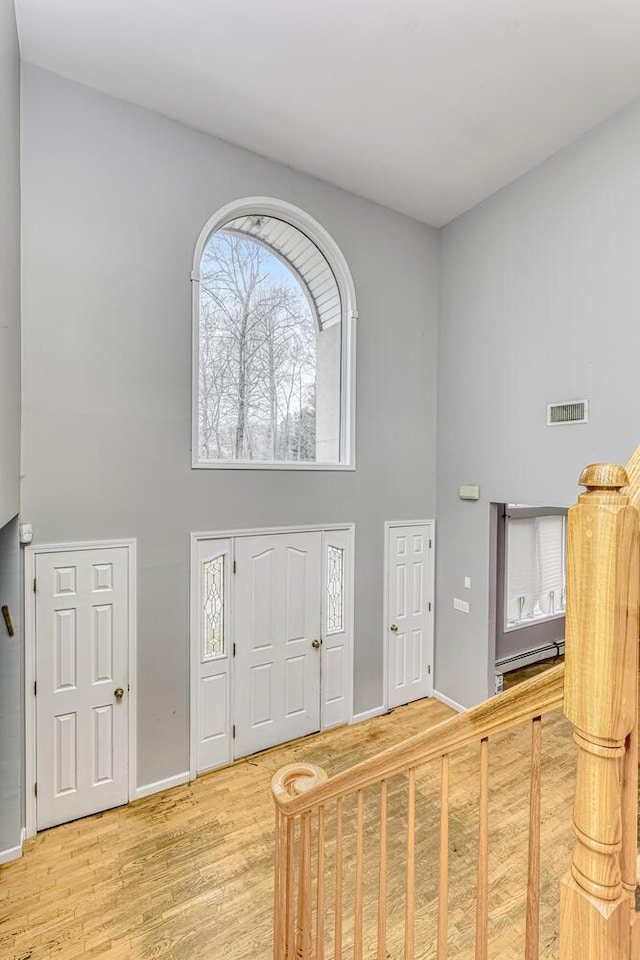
x=118 y=693
x=393 y=628
x=316 y=644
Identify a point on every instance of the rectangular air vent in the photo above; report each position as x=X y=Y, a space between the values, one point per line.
x=570 y=411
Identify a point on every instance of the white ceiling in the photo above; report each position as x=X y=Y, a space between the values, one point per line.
x=427 y=106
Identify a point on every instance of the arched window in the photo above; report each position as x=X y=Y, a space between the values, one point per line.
x=273 y=342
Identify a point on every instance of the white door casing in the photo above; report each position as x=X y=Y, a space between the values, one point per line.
x=409 y=612
x=221 y=683
x=277 y=607
x=82 y=608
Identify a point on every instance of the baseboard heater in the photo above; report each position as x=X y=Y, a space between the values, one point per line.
x=555 y=649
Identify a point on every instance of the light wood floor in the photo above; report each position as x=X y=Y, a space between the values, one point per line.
x=188 y=874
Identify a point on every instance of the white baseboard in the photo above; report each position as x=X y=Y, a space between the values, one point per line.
x=13 y=853
x=448 y=701
x=368 y=714
x=161 y=785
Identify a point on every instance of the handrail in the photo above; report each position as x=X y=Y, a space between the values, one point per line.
x=509 y=709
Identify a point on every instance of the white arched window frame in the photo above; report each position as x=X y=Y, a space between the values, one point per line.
x=269 y=207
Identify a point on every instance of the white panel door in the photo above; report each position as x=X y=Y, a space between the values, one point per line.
x=277 y=601
x=82 y=646
x=410 y=614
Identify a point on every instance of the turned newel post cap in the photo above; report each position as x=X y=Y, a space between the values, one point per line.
x=603 y=476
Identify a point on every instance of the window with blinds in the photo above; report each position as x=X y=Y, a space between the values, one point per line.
x=535 y=569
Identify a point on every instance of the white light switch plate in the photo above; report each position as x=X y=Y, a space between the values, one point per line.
x=460 y=605
x=467 y=583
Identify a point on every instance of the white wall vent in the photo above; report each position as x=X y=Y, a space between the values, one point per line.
x=569 y=411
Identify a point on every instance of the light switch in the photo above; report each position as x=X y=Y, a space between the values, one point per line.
x=467 y=583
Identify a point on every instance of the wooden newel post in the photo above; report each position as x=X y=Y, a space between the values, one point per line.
x=292 y=907
x=601 y=703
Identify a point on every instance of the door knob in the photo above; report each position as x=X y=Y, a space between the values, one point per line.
x=316 y=644
x=393 y=628
x=118 y=693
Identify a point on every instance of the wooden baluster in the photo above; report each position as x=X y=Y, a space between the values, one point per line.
x=443 y=888
x=630 y=813
x=279 y=888
x=304 y=948
x=382 y=876
x=532 y=935
x=482 y=893
x=337 y=951
x=600 y=701
x=409 y=922
x=320 y=889
x=357 y=930
x=290 y=891
x=630 y=767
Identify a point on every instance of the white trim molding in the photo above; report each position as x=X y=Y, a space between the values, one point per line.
x=448 y=702
x=160 y=785
x=13 y=853
x=369 y=714
x=30 y=555
x=271 y=207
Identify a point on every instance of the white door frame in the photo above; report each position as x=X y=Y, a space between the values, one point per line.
x=30 y=555
x=388 y=526
x=195 y=639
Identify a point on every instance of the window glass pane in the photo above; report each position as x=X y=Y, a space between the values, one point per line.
x=535 y=585
x=335 y=590
x=213 y=592
x=270 y=366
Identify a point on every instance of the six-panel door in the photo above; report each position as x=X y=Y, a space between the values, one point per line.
x=409 y=612
x=82 y=683
x=277 y=604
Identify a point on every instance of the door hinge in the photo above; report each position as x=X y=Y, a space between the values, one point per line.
x=430 y=543
x=234 y=650
x=234 y=566
x=35 y=789
x=233 y=731
x=429 y=606
x=428 y=668
x=35 y=688
x=35 y=584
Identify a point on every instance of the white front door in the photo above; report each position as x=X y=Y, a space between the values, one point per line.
x=409 y=608
x=277 y=605
x=82 y=645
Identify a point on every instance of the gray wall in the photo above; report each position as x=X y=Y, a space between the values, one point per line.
x=114 y=198
x=11 y=749
x=9 y=264
x=540 y=302
x=10 y=647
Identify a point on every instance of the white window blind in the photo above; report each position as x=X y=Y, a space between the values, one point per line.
x=535 y=587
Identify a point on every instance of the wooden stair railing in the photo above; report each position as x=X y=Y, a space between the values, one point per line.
x=320 y=821
x=306 y=799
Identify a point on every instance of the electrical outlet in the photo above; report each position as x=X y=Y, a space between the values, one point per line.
x=460 y=605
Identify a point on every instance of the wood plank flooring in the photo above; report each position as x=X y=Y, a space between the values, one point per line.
x=188 y=873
